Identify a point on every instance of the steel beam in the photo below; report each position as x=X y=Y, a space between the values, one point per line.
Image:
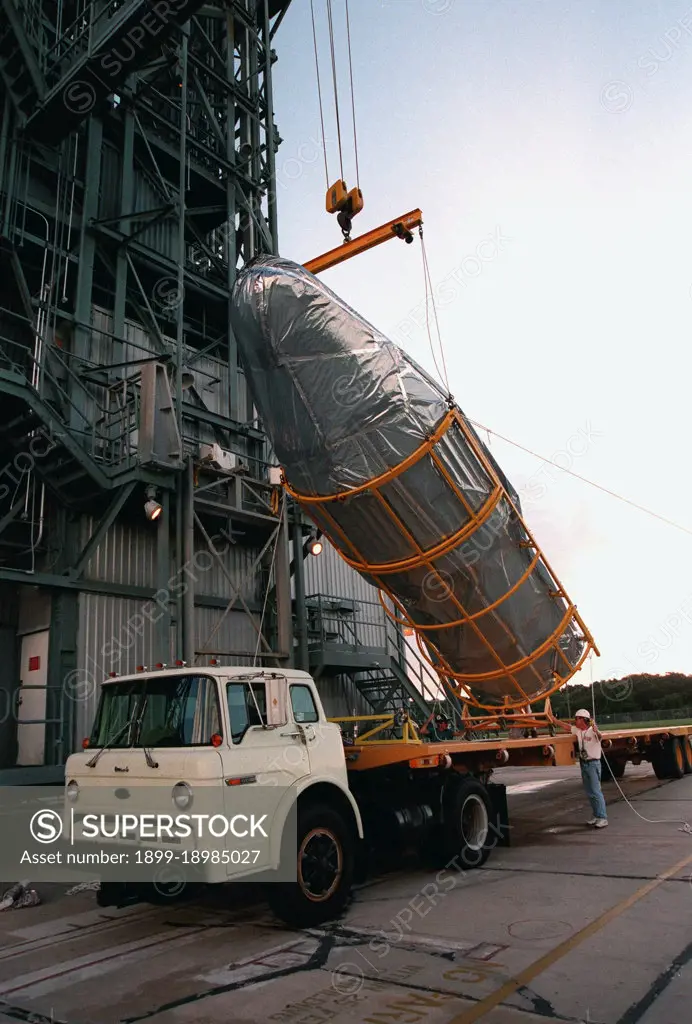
x=163 y=575
x=188 y=532
x=282 y=575
x=401 y=227
x=303 y=660
x=63 y=678
x=55 y=582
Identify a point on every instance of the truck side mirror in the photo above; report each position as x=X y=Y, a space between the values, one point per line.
x=277 y=700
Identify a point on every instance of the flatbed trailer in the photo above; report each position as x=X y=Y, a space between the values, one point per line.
x=668 y=748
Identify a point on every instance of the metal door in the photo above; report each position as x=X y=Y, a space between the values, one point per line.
x=31 y=699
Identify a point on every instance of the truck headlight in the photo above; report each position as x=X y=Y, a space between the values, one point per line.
x=182 y=795
x=72 y=791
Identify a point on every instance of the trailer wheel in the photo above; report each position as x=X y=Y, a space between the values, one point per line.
x=466 y=830
x=325 y=867
x=612 y=768
x=668 y=760
x=686 y=742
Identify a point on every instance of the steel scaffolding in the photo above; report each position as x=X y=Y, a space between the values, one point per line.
x=137 y=174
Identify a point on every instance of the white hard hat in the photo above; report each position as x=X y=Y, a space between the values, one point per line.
x=582 y=713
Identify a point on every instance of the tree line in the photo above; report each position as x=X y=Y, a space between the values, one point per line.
x=641 y=692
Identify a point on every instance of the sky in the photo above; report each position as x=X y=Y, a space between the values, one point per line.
x=549 y=146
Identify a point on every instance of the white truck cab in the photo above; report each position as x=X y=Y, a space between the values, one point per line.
x=203 y=729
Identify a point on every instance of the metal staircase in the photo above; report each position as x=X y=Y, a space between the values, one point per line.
x=350 y=640
x=78 y=433
x=389 y=689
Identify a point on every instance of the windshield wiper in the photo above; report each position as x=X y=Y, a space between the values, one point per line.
x=113 y=739
x=137 y=721
x=149 y=759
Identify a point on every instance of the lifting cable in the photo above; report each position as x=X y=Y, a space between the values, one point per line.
x=336 y=90
x=353 y=95
x=332 y=49
x=319 y=92
x=430 y=297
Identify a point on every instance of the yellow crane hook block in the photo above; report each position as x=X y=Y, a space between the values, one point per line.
x=337 y=197
x=390 y=470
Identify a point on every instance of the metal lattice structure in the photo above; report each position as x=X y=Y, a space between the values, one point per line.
x=137 y=174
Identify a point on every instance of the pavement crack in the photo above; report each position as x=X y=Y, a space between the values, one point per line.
x=27 y=1016
x=661 y=983
x=542 y=1007
x=586 y=874
x=314 y=961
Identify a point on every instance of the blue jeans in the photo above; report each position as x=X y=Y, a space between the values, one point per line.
x=591 y=777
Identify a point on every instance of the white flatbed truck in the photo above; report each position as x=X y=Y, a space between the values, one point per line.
x=206 y=730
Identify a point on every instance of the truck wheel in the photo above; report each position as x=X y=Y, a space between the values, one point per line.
x=612 y=768
x=669 y=760
x=325 y=866
x=686 y=742
x=466 y=835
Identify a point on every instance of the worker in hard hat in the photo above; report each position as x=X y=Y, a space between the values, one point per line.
x=590 y=752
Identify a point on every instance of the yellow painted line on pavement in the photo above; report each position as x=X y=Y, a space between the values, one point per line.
x=526 y=976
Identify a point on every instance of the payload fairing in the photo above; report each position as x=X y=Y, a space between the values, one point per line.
x=391 y=471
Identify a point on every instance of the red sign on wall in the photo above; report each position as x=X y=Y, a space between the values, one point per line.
x=34 y=664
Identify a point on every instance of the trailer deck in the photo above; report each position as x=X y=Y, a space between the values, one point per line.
x=669 y=748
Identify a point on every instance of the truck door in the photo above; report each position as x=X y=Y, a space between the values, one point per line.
x=322 y=739
x=278 y=753
x=261 y=756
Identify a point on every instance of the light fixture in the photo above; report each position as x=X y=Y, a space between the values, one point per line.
x=314 y=544
x=152 y=508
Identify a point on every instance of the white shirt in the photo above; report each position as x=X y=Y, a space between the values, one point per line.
x=588 y=742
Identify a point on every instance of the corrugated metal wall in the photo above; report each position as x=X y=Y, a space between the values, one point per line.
x=160 y=236
x=116 y=634
x=210 y=579
x=233 y=632
x=113 y=636
x=329 y=574
x=340 y=698
x=125 y=555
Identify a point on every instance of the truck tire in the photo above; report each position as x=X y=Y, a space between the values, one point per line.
x=325 y=868
x=467 y=837
x=668 y=760
x=612 y=768
x=686 y=742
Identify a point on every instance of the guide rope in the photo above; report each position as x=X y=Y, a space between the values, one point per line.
x=686 y=827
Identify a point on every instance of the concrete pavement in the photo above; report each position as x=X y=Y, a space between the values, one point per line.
x=567 y=925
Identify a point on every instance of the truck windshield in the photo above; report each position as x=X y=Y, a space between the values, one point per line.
x=180 y=711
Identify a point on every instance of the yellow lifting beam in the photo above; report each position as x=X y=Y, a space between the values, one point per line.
x=401 y=227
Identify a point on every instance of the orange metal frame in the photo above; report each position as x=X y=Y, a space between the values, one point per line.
x=458 y=682
x=394 y=229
